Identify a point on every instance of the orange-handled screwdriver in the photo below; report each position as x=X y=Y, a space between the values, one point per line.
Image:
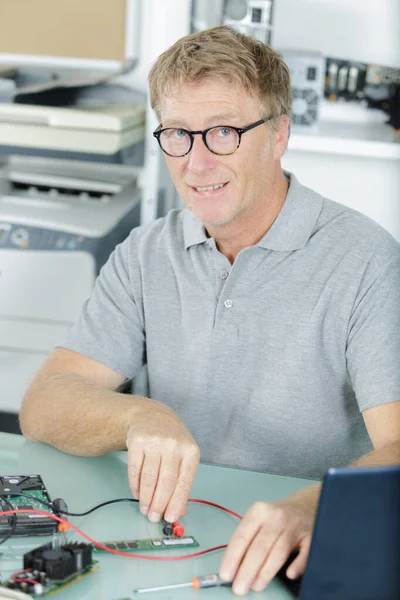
x=203 y=581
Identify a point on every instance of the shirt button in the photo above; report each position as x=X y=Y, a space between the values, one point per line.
x=228 y=303
x=224 y=274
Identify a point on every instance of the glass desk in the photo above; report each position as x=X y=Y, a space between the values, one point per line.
x=84 y=482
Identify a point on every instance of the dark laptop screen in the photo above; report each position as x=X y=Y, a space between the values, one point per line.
x=355 y=549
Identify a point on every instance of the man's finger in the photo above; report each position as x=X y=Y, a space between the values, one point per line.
x=240 y=541
x=135 y=463
x=253 y=560
x=148 y=480
x=187 y=472
x=298 y=566
x=276 y=558
x=166 y=484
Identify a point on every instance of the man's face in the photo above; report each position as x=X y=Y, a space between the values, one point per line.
x=246 y=176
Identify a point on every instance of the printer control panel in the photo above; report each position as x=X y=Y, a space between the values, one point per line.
x=35 y=238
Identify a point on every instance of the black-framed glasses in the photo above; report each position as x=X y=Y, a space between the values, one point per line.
x=220 y=139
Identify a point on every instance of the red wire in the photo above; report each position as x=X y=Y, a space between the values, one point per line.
x=216 y=506
x=99 y=545
x=18 y=576
x=22 y=571
x=31 y=581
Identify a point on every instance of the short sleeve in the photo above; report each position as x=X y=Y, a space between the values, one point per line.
x=110 y=327
x=373 y=343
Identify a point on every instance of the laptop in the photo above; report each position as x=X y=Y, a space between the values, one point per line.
x=355 y=547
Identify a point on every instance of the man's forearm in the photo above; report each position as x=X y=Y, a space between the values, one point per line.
x=308 y=497
x=77 y=416
x=388 y=455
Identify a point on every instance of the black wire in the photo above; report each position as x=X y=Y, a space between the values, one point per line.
x=70 y=514
x=13 y=520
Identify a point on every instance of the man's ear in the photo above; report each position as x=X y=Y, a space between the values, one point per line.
x=281 y=136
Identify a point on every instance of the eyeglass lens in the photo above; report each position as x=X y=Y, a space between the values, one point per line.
x=221 y=140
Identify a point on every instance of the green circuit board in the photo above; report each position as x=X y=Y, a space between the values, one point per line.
x=35 y=496
x=25 y=492
x=163 y=543
x=51 y=587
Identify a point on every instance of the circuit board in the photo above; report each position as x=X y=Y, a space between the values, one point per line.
x=11 y=489
x=51 y=567
x=54 y=586
x=162 y=543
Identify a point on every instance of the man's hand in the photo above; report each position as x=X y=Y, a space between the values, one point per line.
x=267 y=535
x=162 y=462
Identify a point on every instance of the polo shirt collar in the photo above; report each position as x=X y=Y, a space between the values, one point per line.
x=291 y=229
x=296 y=220
x=193 y=230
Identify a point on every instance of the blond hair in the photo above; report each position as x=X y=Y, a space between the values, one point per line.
x=224 y=53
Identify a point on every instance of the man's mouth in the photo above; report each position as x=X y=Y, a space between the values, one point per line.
x=208 y=188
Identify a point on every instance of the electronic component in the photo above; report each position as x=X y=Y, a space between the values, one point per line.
x=178 y=529
x=59 y=563
x=251 y=17
x=161 y=543
x=307 y=69
x=60 y=507
x=174 y=528
x=11 y=488
x=167 y=527
x=350 y=80
x=48 y=568
x=344 y=79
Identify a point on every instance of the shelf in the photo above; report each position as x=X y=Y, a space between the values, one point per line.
x=349 y=130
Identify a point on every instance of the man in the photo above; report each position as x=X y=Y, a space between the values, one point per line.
x=268 y=316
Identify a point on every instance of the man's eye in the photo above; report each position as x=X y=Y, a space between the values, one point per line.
x=174 y=133
x=225 y=131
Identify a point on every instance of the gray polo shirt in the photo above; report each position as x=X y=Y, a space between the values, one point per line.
x=269 y=361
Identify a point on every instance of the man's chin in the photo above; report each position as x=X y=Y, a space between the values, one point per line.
x=212 y=220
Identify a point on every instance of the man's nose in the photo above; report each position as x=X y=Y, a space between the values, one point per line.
x=200 y=157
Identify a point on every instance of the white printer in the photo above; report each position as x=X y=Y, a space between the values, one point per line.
x=59 y=221
x=96 y=131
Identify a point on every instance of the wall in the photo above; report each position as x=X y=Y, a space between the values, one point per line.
x=364 y=30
